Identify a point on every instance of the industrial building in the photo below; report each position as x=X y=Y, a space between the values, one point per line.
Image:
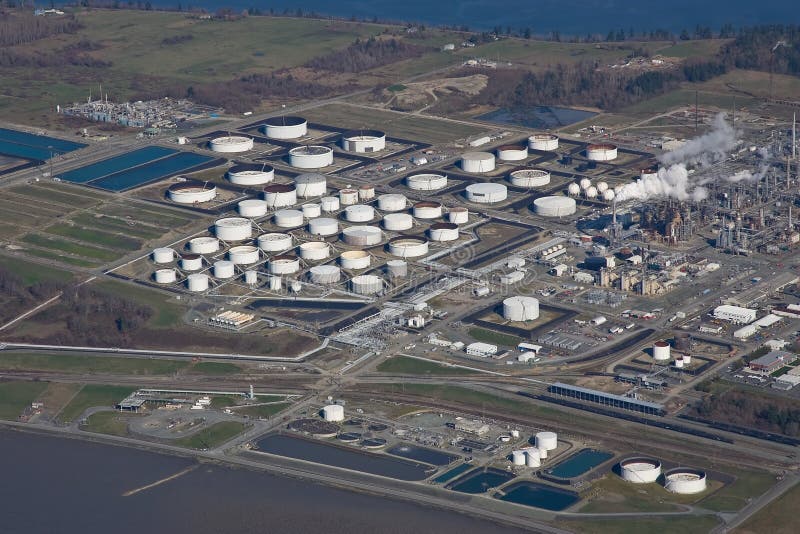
x=735 y=314
x=483 y=350
x=772 y=361
x=606 y=399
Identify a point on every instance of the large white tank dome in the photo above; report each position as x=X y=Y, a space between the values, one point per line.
x=477 y=162
x=685 y=481
x=230 y=144
x=250 y=174
x=521 y=308
x=529 y=178
x=311 y=184
x=285 y=127
x=554 y=206
x=426 y=182
x=486 y=192
x=640 y=470
x=311 y=157
x=192 y=192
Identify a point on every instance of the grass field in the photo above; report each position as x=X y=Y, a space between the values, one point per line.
x=68 y=260
x=70 y=247
x=32 y=273
x=220 y=402
x=112 y=423
x=412 y=366
x=213 y=436
x=684 y=525
x=614 y=495
x=16 y=396
x=264 y=411
x=167 y=314
x=779 y=517
x=59 y=196
x=91 y=396
x=88 y=364
x=733 y=497
x=686 y=97
x=95 y=237
x=118 y=225
x=495 y=338
x=215 y=368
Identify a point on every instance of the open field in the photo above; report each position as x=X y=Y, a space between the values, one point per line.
x=95 y=237
x=613 y=495
x=215 y=368
x=686 y=97
x=411 y=366
x=67 y=260
x=733 y=497
x=264 y=411
x=93 y=395
x=749 y=83
x=210 y=437
x=32 y=273
x=69 y=247
x=16 y=396
x=88 y=364
x=495 y=338
x=779 y=517
x=685 y=525
x=112 y=423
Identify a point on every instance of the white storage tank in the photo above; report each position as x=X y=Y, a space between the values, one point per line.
x=590 y=192
x=661 y=351
x=366 y=192
x=546 y=440
x=275 y=283
x=518 y=457
x=512 y=152
x=649 y=173
x=546 y=142
x=163 y=255
x=458 y=215
x=289 y=218
x=486 y=193
x=325 y=274
x=165 y=276
x=251 y=278
x=602 y=186
x=311 y=157
x=685 y=481
x=585 y=184
x=274 y=242
x=366 y=284
x=243 y=255
x=443 y=232
x=284 y=264
x=311 y=184
x=203 y=245
x=280 y=195
x=314 y=250
x=601 y=152
x=477 y=162
x=191 y=262
x=348 y=196
x=521 y=308
x=233 y=229
x=408 y=246
x=192 y=192
x=355 y=259
x=397 y=222
x=529 y=178
x=574 y=189
x=427 y=210
x=230 y=144
x=197 y=282
x=359 y=213
x=364 y=141
x=323 y=226
x=333 y=413
x=640 y=470
x=223 y=269
x=391 y=202
x=250 y=174
x=329 y=204
x=532 y=457
x=426 y=182
x=609 y=195
x=362 y=236
x=252 y=208
x=311 y=210
x=554 y=206
x=397 y=268
x=679 y=363
x=286 y=127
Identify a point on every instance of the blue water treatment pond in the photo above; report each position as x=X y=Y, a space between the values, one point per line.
x=151 y=172
x=421 y=454
x=542 y=117
x=31 y=146
x=578 y=464
x=452 y=473
x=116 y=164
x=539 y=495
x=480 y=480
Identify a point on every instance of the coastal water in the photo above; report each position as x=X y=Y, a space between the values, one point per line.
x=67 y=486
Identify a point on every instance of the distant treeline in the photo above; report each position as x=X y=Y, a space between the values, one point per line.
x=365 y=55
x=18 y=27
x=747 y=409
x=15 y=296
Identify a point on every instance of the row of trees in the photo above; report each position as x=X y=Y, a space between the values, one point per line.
x=745 y=409
x=365 y=55
x=18 y=27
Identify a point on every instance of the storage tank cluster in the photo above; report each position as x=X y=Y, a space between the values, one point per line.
x=311 y=157
x=250 y=174
x=426 y=182
x=661 y=351
x=486 y=193
x=287 y=127
x=311 y=184
x=640 y=470
x=192 y=192
x=529 y=457
x=231 y=144
x=601 y=152
x=364 y=141
x=554 y=206
x=521 y=308
x=529 y=178
x=280 y=195
x=233 y=229
x=546 y=142
x=512 y=152
x=477 y=162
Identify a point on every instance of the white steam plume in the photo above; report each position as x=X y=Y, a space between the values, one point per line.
x=709 y=147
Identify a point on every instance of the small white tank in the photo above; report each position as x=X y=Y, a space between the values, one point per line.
x=191 y=262
x=546 y=440
x=333 y=413
x=163 y=255
x=275 y=283
x=532 y=458
x=311 y=210
x=458 y=215
x=329 y=204
x=251 y=278
x=223 y=269
x=165 y=276
x=585 y=183
x=518 y=457
x=348 y=197
x=574 y=189
x=197 y=282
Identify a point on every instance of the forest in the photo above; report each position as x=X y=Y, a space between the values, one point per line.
x=17 y=27
x=15 y=296
x=365 y=55
x=747 y=409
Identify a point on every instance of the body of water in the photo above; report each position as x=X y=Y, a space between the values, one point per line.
x=116 y=164
x=33 y=147
x=580 y=463
x=481 y=480
x=422 y=454
x=69 y=486
x=539 y=495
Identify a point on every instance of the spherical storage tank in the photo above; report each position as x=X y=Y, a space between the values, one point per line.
x=280 y=195
x=333 y=413
x=251 y=208
x=546 y=440
x=529 y=178
x=274 y=242
x=520 y=308
x=554 y=206
x=590 y=192
x=314 y=250
x=408 y=246
x=355 y=259
x=427 y=210
x=364 y=141
x=602 y=186
x=310 y=157
x=203 y=245
x=574 y=189
x=163 y=255
x=329 y=204
x=223 y=269
x=311 y=184
x=458 y=215
x=348 y=197
x=608 y=195
x=197 y=282
x=366 y=284
x=477 y=162
x=585 y=184
x=545 y=142
x=391 y=202
x=243 y=255
x=231 y=143
x=443 y=232
x=640 y=470
x=286 y=127
x=661 y=351
x=426 y=182
x=192 y=192
x=284 y=264
x=250 y=174
x=359 y=213
x=191 y=262
x=363 y=236
x=289 y=218
x=486 y=193
x=397 y=222
x=512 y=152
x=324 y=274
x=323 y=226
x=685 y=481
x=165 y=276
x=233 y=229
x=311 y=210
x=601 y=152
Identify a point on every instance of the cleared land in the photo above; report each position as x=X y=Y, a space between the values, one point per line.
x=411 y=366
x=264 y=411
x=16 y=396
x=216 y=368
x=495 y=338
x=88 y=364
x=210 y=437
x=91 y=396
x=780 y=517
x=733 y=497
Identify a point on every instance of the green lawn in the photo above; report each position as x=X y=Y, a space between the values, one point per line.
x=734 y=496
x=167 y=314
x=264 y=411
x=224 y=401
x=495 y=338
x=95 y=237
x=779 y=517
x=16 y=396
x=88 y=364
x=684 y=525
x=51 y=194
x=32 y=273
x=113 y=423
x=412 y=366
x=118 y=225
x=91 y=396
x=159 y=218
x=614 y=495
x=70 y=247
x=213 y=436
x=69 y=260
x=215 y=368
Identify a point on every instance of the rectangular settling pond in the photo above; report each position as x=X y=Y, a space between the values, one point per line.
x=580 y=463
x=480 y=480
x=421 y=454
x=116 y=164
x=539 y=496
x=151 y=172
x=33 y=147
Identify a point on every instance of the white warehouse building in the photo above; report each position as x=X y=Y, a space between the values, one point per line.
x=481 y=349
x=735 y=314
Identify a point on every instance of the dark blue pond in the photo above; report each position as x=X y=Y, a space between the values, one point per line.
x=539 y=495
x=116 y=164
x=453 y=473
x=145 y=174
x=50 y=144
x=481 y=480
x=580 y=463
x=421 y=454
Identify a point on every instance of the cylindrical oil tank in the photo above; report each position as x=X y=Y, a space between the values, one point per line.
x=192 y=192
x=203 y=245
x=546 y=142
x=274 y=242
x=325 y=274
x=197 y=282
x=314 y=250
x=443 y=232
x=687 y=359
x=640 y=470
x=223 y=269
x=163 y=255
x=191 y=262
x=363 y=236
x=426 y=182
x=311 y=210
x=285 y=127
x=458 y=215
x=554 y=206
x=649 y=173
x=427 y=210
x=233 y=229
x=661 y=351
x=512 y=152
x=289 y=218
x=333 y=413
x=252 y=208
x=348 y=197
x=683 y=341
x=391 y=202
x=323 y=226
x=521 y=308
x=542 y=454
x=230 y=144
x=366 y=284
x=366 y=192
x=518 y=457
x=359 y=213
x=311 y=157
x=165 y=276
x=529 y=178
x=408 y=246
x=486 y=192
x=280 y=195
x=275 y=283
x=250 y=174
x=685 y=481
x=397 y=222
x=679 y=363
x=355 y=259
x=364 y=141
x=477 y=162
x=243 y=255
x=397 y=268
x=546 y=440
x=574 y=189
x=532 y=458
x=284 y=264
x=601 y=152
x=251 y=278
x=311 y=184
x=329 y=204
